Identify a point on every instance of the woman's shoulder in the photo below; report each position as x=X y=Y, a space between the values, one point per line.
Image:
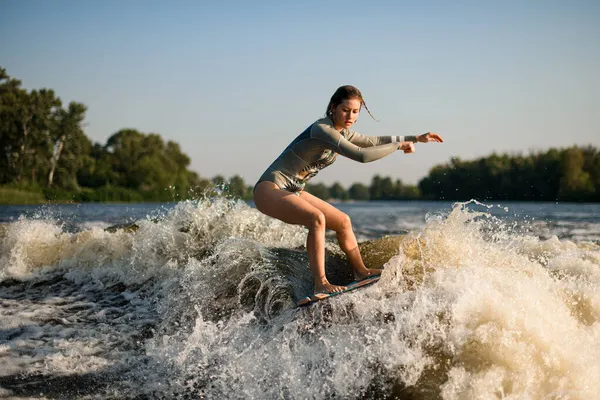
x=324 y=121
x=324 y=125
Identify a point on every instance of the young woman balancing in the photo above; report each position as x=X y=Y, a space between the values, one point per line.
x=279 y=191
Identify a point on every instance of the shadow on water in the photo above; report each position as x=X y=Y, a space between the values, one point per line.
x=50 y=386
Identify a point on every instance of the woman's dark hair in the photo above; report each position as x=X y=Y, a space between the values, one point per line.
x=344 y=93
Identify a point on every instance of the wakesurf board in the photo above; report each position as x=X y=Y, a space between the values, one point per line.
x=349 y=287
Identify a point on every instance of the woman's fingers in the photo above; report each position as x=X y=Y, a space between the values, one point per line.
x=408 y=147
x=433 y=137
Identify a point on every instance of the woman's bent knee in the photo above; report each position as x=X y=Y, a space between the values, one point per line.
x=346 y=223
x=317 y=221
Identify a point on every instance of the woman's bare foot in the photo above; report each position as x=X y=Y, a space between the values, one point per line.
x=326 y=287
x=366 y=273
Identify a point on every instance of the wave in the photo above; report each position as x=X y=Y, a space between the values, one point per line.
x=200 y=301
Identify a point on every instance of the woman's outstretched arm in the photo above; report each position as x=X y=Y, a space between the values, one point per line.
x=338 y=143
x=369 y=141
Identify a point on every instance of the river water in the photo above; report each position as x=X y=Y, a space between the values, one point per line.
x=197 y=300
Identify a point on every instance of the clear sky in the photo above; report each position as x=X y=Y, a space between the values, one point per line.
x=233 y=82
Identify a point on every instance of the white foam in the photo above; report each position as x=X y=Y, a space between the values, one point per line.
x=468 y=308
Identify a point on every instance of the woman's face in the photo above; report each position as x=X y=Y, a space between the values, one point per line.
x=346 y=113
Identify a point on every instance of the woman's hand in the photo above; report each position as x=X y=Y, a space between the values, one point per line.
x=429 y=137
x=407 y=147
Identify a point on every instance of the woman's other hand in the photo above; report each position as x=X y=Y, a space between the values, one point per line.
x=429 y=137
x=407 y=147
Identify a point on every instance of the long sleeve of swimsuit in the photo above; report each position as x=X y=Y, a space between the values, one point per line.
x=368 y=141
x=335 y=141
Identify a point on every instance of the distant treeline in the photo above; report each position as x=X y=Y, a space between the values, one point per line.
x=571 y=174
x=45 y=155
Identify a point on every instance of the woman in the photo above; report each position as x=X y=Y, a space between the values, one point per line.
x=279 y=191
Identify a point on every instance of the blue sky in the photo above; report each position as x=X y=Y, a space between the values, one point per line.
x=234 y=82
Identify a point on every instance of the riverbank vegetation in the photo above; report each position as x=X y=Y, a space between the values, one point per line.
x=46 y=156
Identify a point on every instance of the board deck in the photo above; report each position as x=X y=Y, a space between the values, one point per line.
x=349 y=287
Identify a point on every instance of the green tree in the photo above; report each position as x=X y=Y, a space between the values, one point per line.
x=570 y=175
x=337 y=191
x=42 y=143
x=145 y=163
x=36 y=117
x=319 y=190
x=71 y=146
x=218 y=181
x=97 y=170
x=405 y=192
x=410 y=192
x=124 y=155
x=375 y=190
x=10 y=95
x=591 y=164
x=358 y=191
x=387 y=189
x=236 y=187
x=576 y=183
x=25 y=121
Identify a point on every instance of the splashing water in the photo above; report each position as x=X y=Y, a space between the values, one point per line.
x=200 y=302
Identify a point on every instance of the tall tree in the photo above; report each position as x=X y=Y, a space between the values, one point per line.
x=25 y=121
x=10 y=94
x=68 y=138
x=36 y=112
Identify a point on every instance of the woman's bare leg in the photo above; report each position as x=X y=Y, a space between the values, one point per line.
x=292 y=209
x=341 y=224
